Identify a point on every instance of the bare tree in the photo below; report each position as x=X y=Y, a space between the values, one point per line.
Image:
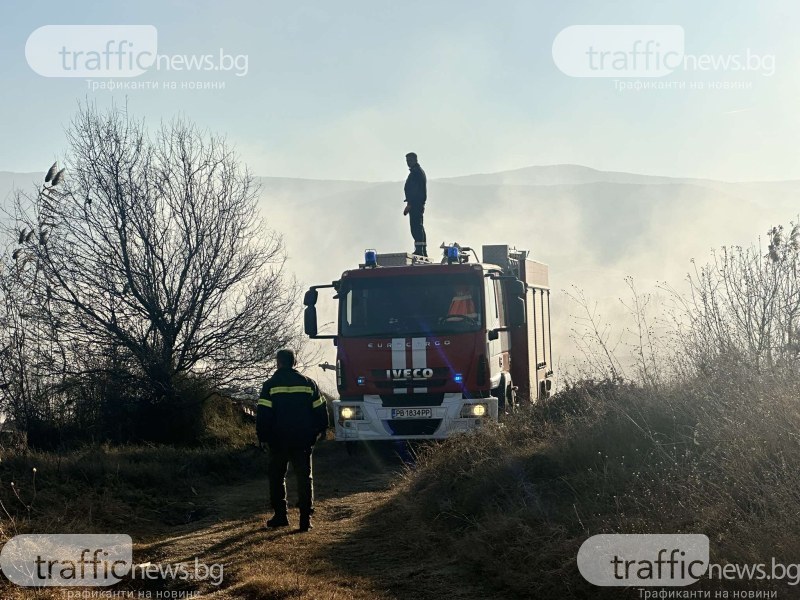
x=149 y=249
x=29 y=350
x=744 y=307
x=594 y=340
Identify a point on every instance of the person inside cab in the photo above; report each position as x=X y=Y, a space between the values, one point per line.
x=462 y=305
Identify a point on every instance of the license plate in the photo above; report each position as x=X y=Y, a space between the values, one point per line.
x=412 y=413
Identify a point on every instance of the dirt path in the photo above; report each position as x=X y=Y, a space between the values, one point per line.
x=347 y=555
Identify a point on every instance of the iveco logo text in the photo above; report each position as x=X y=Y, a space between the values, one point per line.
x=407 y=344
x=409 y=373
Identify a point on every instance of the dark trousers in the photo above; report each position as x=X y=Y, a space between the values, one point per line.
x=418 y=232
x=279 y=459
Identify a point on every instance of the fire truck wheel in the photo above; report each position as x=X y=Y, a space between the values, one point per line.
x=511 y=397
x=506 y=398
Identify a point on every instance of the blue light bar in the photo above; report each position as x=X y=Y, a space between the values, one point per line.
x=458 y=378
x=361 y=380
x=371 y=257
x=452 y=253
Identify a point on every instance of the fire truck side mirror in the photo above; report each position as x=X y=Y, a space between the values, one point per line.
x=310 y=299
x=310 y=320
x=516 y=303
x=516 y=312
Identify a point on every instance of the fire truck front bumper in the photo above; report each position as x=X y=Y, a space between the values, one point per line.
x=371 y=420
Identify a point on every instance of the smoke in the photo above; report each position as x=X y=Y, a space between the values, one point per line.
x=592 y=228
x=592 y=234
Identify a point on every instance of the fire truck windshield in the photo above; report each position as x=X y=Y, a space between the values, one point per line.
x=418 y=305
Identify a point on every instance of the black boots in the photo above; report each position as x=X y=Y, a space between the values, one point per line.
x=278 y=521
x=305 y=523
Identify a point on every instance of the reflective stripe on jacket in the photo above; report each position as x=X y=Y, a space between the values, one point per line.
x=291 y=411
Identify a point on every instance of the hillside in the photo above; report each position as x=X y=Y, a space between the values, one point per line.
x=498 y=514
x=706 y=447
x=592 y=227
x=211 y=504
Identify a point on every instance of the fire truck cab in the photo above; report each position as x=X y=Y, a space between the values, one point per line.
x=426 y=350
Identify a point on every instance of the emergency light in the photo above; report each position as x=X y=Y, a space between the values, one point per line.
x=452 y=254
x=371 y=258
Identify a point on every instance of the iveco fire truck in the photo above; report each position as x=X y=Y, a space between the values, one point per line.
x=426 y=350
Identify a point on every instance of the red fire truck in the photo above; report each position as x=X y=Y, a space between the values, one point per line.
x=426 y=350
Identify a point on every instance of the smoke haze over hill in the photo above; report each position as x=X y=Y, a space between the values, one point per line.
x=593 y=228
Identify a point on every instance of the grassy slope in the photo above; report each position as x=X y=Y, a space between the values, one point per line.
x=499 y=514
x=215 y=507
x=516 y=501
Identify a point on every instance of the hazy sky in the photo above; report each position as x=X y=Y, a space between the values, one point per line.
x=342 y=90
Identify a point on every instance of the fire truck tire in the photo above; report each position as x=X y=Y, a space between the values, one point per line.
x=506 y=397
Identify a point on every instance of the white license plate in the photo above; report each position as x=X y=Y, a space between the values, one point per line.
x=412 y=413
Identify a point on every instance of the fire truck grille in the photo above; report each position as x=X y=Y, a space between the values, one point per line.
x=403 y=400
x=429 y=383
x=414 y=426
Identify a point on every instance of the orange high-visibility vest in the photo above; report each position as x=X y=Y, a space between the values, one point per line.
x=462 y=303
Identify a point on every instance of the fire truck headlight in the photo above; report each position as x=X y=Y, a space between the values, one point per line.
x=350 y=413
x=474 y=410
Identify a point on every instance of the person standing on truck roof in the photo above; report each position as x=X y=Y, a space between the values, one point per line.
x=291 y=417
x=416 y=190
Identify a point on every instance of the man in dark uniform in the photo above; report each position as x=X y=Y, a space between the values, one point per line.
x=416 y=190
x=292 y=416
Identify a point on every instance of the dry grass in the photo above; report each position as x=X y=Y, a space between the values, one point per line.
x=361 y=547
x=132 y=489
x=516 y=501
x=499 y=514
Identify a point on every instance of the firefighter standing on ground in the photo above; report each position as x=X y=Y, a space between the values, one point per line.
x=292 y=416
x=416 y=193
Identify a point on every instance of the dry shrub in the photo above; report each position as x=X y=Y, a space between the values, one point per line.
x=130 y=488
x=515 y=501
